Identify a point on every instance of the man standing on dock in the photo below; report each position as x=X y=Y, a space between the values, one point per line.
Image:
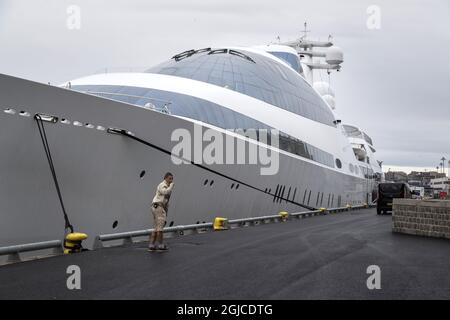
x=160 y=205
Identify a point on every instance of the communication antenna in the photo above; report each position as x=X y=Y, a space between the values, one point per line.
x=305 y=31
x=332 y=55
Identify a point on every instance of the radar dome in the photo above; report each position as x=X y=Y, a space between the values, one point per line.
x=330 y=101
x=334 y=55
x=323 y=88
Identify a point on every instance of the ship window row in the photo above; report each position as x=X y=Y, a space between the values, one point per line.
x=351 y=131
x=208 y=112
x=264 y=79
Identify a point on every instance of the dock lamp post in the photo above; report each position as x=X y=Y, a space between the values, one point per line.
x=443 y=164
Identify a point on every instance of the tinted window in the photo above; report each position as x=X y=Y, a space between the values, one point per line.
x=391 y=187
x=290 y=59
x=205 y=111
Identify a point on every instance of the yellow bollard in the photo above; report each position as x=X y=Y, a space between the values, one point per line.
x=72 y=242
x=220 y=224
x=322 y=210
x=284 y=215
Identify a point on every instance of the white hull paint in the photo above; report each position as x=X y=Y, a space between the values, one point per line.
x=99 y=173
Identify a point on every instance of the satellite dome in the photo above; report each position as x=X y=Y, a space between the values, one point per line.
x=334 y=55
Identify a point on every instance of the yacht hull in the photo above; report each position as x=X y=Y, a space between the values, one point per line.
x=102 y=177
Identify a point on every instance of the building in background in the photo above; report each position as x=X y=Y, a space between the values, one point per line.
x=423 y=178
x=440 y=185
x=396 y=176
x=420 y=180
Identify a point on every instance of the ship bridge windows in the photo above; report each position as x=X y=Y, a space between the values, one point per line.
x=367 y=138
x=211 y=113
x=254 y=75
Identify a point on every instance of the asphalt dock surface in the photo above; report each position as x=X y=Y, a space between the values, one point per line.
x=322 y=257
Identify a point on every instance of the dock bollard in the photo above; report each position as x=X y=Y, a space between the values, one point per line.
x=72 y=242
x=220 y=224
x=284 y=215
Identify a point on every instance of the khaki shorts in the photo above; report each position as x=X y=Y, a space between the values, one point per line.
x=159 y=217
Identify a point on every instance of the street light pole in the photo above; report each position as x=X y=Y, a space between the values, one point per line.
x=443 y=164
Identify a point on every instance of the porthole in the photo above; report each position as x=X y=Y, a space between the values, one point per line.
x=77 y=123
x=115 y=224
x=232 y=186
x=65 y=121
x=171 y=224
x=211 y=183
x=270 y=190
x=237 y=186
x=90 y=126
x=338 y=163
x=9 y=111
x=206 y=182
x=24 y=114
x=142 y=174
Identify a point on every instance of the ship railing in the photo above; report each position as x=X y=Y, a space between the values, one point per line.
x=127 y=237
x=169 y=232
x=156 y=104
x=13 y=252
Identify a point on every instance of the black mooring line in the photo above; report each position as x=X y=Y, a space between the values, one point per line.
x=48 y=153
x=127 y=134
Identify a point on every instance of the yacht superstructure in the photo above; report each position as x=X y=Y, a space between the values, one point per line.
x=107 y=180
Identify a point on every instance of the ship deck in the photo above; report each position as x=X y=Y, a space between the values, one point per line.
x=323 y=257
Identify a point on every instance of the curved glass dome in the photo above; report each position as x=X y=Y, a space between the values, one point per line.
x=252 y=74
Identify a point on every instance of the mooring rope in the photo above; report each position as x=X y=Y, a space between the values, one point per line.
x=278 y=197
x=40 y=124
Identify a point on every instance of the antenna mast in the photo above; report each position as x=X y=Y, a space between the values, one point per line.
x=305 y=49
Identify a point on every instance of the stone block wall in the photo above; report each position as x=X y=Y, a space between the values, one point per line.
x=429 y=218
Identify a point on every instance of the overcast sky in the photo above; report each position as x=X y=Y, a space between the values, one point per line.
x=394 y=84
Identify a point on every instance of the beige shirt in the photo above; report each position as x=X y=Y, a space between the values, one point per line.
x=163 y=192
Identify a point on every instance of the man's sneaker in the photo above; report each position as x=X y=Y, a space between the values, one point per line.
x=162 y=247
x=152 y=247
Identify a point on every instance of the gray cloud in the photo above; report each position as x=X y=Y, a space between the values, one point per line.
x=394 y=82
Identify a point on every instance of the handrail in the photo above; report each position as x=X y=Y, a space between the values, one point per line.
x=165 y=107
x=146 y=232
x=128 y=236
x=13 y=251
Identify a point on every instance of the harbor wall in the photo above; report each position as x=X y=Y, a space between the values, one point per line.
x=430 y=218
